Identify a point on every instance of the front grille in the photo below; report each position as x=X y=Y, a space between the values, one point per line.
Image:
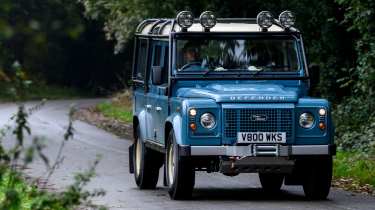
x=243 y=120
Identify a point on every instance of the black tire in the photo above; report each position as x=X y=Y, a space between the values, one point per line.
x=146 y=171
x=181 y=177
x=317 y=178
x=271 y=183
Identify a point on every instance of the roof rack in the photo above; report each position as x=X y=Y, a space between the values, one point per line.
x=141 y=26
x=157 y=26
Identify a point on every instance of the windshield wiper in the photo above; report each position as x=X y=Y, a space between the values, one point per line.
x=217 y=69
x=188 y=65
x=256 y=70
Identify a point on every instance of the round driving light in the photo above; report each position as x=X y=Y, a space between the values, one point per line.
x=287 y=19
x=306 y=120
x=208 y=120
x=185 y=19
x=192 y=112
x=322 y=112
x=265 y=19
x=207 y=19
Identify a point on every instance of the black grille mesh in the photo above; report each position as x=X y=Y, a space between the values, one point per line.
x=243 y=120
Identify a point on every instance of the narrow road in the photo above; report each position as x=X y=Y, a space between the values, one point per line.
x=213 y=191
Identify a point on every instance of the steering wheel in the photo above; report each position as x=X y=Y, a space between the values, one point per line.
x=190 y=64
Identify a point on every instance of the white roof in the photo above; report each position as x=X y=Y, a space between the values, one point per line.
x=219 y=27
x=234 y=27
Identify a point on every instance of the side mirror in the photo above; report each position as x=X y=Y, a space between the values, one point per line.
x=157 y=77
x=314 y=73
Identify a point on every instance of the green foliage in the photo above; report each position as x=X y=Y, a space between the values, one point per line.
x=122 y=16
x=16 y=84
x=18 y=196
x=15 y=192
x=19 y=87
x=35 y=33
x=121 y=113
x=354 y=165
x=356 y=113
x=43 y=91
x=55 y=45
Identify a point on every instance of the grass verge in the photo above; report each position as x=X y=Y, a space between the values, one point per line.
x=355 y=166
x=117 y=112
x=119 y=108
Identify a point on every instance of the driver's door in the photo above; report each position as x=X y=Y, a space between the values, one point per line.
x=156 y=97
x=161 y=111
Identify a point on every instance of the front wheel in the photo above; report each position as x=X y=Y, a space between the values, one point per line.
x=179 y=171
x=271 y=182
x=317 y=179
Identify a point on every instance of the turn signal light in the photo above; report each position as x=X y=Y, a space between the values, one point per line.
x=322 y=126
x=193 y=126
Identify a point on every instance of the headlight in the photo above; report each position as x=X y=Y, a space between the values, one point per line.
x=306 y=120
x=265 y=20
x=208 y=120
x=287 y=19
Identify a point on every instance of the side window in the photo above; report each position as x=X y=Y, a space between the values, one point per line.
x=141 y=59
x=166 y=58
x=160 y=58
x=157 y=55
x=165 y=64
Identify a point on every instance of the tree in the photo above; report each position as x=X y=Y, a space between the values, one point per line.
x=55 y=44
x=357 y=111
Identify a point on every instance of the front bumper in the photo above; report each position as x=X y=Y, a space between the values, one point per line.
x=254 y=150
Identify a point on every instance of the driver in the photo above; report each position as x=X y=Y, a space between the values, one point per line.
x=191 y=57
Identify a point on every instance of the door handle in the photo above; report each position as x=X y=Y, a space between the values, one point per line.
x=158 y=108
x=148 y=106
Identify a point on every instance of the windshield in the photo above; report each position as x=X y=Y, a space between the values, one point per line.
x=226 y=55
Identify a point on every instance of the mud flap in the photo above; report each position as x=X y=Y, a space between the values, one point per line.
x=131 y=161
x=165 y=184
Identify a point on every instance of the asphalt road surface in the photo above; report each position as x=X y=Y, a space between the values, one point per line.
x=212 y=191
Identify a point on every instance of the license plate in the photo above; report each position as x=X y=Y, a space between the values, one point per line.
x=261 y=137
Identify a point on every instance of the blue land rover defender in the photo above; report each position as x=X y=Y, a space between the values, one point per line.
x=231 y=96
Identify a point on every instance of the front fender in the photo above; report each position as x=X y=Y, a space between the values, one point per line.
x=314 y=135
x=176 y=120
x=142 y=119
